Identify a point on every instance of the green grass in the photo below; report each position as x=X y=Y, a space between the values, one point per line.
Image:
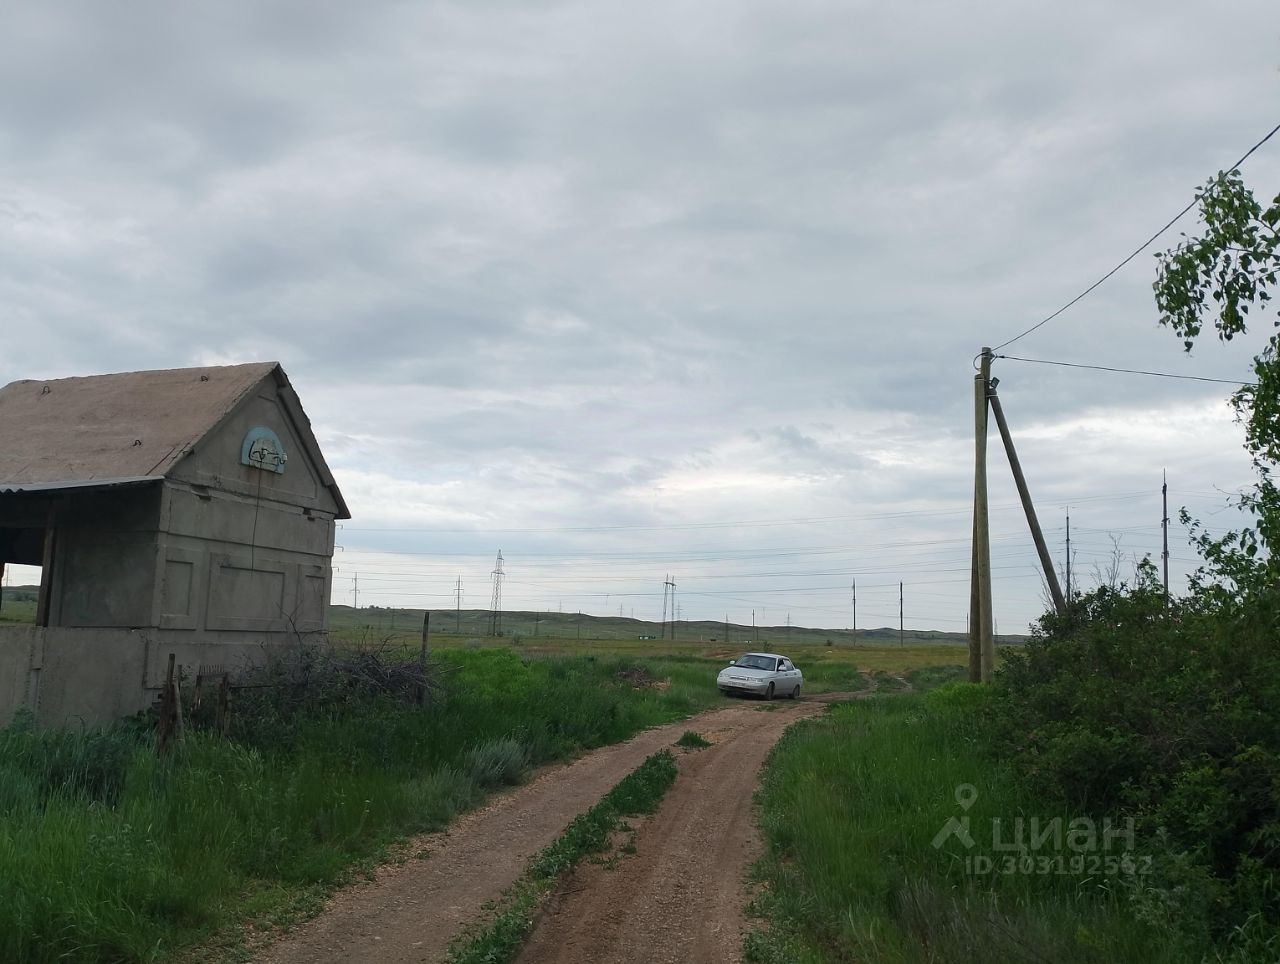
x=18 y=609
x=850 y=804
x=110 y=854
x=640 y=792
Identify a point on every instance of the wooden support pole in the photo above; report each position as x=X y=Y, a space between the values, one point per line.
x=975 y=607
x=44 y=599
x=1046 y=561
x=1164 y=531
x=982 y=522
x=169 y=728
x=223 y=718
x=422 y=657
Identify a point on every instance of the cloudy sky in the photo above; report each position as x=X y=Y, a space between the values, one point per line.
x=630 y=289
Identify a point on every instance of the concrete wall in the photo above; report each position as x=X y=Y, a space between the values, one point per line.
x=17 y=647
x=72 y=677
x=232 y=565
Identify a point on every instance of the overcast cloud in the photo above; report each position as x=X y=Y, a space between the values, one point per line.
x=635 y=289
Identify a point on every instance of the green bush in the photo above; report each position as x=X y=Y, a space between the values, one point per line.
x=1168 y=714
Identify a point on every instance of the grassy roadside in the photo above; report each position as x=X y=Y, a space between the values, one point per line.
x=110 y=854
x=638 y=793
x=850 y=806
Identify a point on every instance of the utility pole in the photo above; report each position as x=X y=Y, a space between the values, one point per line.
x=975 y=606
x=1068 y=555
x=457 y=627
x=901 y=632
x=853 y=588
x=788 y=629
x=981 y=637
x=1164 y=527
x=355 y=591
x=675 y=617
x=754 y=631
x=1042 y=549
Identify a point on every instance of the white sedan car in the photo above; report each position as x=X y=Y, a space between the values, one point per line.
x=761 y=674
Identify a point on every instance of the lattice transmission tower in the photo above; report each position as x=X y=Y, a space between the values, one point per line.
x=495 y=604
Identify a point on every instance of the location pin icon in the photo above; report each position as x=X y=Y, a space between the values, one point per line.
x=966 y=795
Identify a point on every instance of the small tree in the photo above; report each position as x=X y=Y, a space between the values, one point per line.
x=1216 y=279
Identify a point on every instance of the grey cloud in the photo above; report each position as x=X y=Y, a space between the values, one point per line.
x=800 y=221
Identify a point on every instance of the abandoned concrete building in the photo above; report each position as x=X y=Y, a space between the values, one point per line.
x=187 y=511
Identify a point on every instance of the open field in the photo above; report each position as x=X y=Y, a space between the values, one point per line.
x=825 y=668
x=18 y=604
x=525 y=627
x=828 y=659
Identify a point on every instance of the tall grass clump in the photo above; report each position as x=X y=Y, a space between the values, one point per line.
x=850 y=806
x=108 y=853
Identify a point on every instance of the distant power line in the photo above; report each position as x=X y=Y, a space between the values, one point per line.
x=1136 y=251
x=745 y=524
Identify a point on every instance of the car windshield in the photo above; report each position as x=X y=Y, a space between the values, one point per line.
x=756 y=662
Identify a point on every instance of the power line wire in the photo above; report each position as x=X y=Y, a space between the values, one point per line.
x=1136 y=251
x=1127 y=371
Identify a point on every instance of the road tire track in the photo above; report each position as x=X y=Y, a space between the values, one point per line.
x=679 y=898
x=411 y=911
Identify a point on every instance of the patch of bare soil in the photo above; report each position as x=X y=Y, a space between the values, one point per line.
x=410 y=912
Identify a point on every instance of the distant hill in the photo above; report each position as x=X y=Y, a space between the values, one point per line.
x=17 y=604
x=377 y=621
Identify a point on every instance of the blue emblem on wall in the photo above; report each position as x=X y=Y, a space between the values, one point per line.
x=262 y=450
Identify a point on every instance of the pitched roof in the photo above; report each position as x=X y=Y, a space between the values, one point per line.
x=132 y=426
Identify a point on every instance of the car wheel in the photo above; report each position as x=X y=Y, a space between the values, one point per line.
x=768 y=694
x=795 y=693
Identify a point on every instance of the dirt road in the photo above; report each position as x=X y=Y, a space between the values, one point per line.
x=678 y=898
